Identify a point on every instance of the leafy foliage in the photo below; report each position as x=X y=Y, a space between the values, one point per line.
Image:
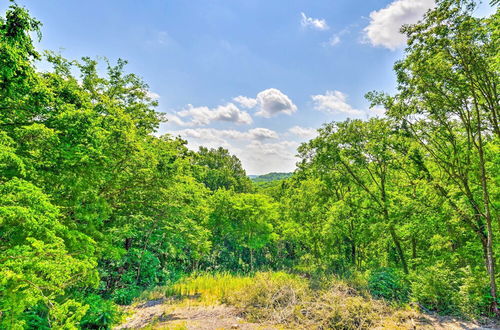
x=96 y=208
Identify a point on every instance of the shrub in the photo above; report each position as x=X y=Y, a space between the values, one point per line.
x=102 y=314
x=125 y=296
x=473 y=296
x=388 y=284
x=435 y=288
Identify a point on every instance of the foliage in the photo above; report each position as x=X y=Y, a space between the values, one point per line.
x=96 y=206
x=273 y=176
x=101 y=314
x=218 y=169
x=388 y=284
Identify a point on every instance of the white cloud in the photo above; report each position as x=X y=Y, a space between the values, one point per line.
x=200 y=116
x=333 y=41
x=261 y=158
x=269 y=103
x=152 y=95
x=314 y=23
x=303 y=132
x=246 y=102
x=377 y=112
x=334 y=102
x=272 y=102
x=212 y=134
x=385 y=24
x=262 y=134
x=171 y=118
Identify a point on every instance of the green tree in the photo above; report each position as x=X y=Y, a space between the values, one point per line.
x=241 y=224
x=448 y=99
x=219 y=169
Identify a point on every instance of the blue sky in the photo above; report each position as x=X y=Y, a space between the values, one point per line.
x=256 y=77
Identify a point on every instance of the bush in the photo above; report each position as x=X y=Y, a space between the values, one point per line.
x=388 y=284
x=435 y=288
x=102 y=314
x=125 y=296
x=473 y=297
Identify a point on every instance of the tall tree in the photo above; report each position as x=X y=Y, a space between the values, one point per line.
x=449 y=100
x=219 y=169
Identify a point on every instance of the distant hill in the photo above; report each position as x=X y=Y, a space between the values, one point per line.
x=270 y=177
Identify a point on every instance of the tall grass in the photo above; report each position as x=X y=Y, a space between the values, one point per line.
x=280 y=298
x=205 y=288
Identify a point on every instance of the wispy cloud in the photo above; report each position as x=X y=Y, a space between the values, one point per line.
x=313 y=23
x=201 y=116
x=303 y=132
x=334 y=102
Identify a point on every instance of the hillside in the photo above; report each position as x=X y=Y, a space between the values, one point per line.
x=273 y=176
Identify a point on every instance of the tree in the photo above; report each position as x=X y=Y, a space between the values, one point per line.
x=365 y=153
x=219 y=169
x=448 y=99
x=240 y=224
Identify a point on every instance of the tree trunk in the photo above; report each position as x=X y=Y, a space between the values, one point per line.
x=413 y=251
x=490 y=266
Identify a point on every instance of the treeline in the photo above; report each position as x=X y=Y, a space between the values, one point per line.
x=95 y=207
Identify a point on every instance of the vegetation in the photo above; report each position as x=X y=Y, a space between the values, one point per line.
x=273 y=176
x=289 y=300
x=96 y=209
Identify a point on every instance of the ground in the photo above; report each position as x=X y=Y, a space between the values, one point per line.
x=160 y=314
x=166 y=314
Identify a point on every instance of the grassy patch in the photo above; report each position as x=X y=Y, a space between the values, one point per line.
x=280 y=298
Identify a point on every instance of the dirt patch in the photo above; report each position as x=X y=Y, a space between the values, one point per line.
x=448 y=322
x=166 y=314
x=159 y=315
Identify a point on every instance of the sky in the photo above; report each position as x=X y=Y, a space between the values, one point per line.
x=257 y=77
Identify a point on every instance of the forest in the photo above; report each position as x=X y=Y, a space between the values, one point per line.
x=97 y=208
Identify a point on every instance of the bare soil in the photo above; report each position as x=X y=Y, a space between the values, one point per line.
x=163 y=314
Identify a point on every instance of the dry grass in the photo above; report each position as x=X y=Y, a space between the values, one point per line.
x=287 y=301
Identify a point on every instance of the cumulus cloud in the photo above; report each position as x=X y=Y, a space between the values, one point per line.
x=262 y=134
x=272 y=102
x=313 y=23
x=303 y=132
x=246 y=102
x=260 y=157
x=334 y=102
x=200 y=116
x=385 y=24
x=268 y=103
